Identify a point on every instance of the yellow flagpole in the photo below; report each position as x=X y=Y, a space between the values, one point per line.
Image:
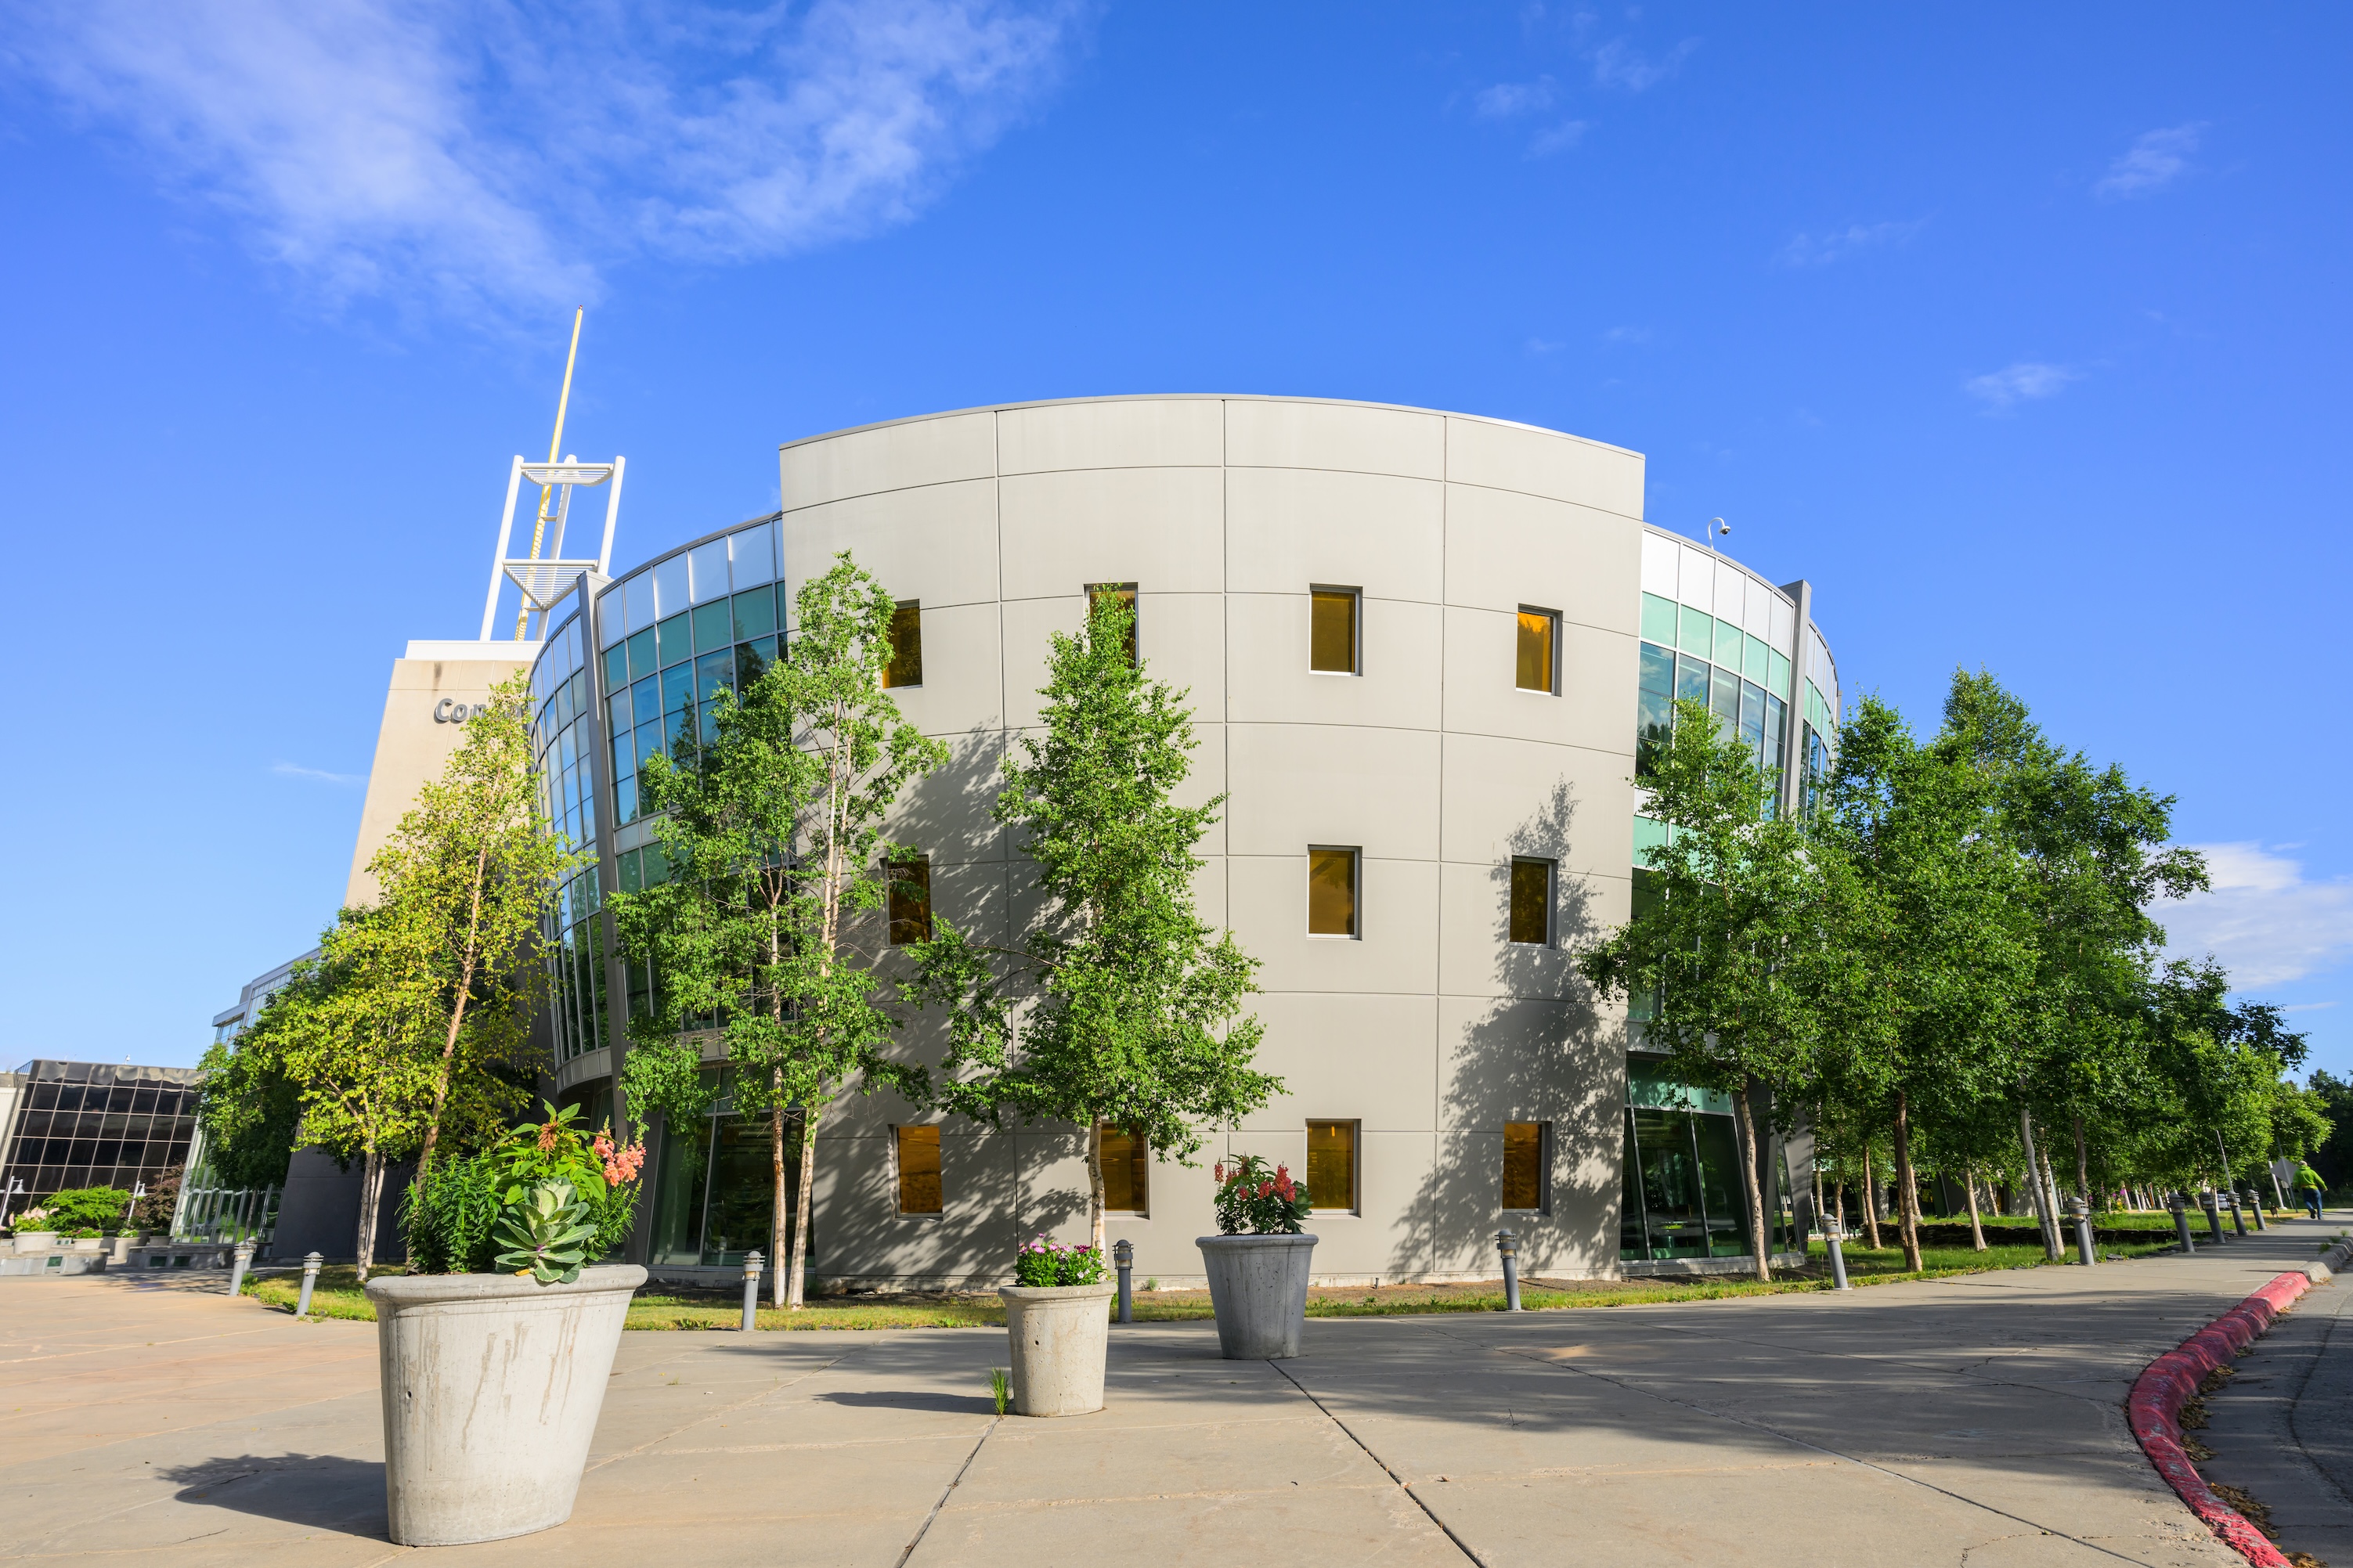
x=555 y=445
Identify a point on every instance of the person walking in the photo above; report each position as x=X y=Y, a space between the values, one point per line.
x=2309 y=1187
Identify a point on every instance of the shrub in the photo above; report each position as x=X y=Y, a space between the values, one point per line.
x=467 y=1215
x=1045 y=1263
x=1255 y=1201
x=153 y=1213
x=94 y=1209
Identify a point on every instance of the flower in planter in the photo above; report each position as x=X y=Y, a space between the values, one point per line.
x=1255 y=1201
x=1042 y=1263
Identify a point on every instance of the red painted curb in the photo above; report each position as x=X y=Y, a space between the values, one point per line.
x=2154 y=1409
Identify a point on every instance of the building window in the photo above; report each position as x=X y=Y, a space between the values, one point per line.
x=919 y=1170
x=1331 y=892
x=1332 y=637
x=1532 y=901
x=1525 y=1186
x=1101 y=594
x=906 y=666
x=911 y=900
x=1332 y=1167
x=1539 y=662
x=1127 y=1172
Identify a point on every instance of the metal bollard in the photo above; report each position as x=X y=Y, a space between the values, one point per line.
x=1833 y=1236
x=750 y=1291
x=2213 y=1214
x=2255 y=1203
x=2080 y=1211
x=2182 y=1222
x=1509 y=1246
x=2237 y=1219
x=1123 y=1257
x=311 y=1262
x=244 y=1256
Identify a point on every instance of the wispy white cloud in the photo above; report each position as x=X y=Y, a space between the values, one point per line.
x=316 y=775
x=1558 y=138
x=2155 y=160
x=1620 y=64
x=495 y=157
x=1627 y=335
x=2263 y=919
x=2023 y=381
x=1507 y=98
x=1835 y=245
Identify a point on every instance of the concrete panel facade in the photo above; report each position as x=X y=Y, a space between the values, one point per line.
x=421 y=727
x=1428 y=1030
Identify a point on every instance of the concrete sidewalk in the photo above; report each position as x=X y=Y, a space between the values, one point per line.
x=1978 y=1420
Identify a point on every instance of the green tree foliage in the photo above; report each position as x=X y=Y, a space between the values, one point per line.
x=1935 y=956
x=764 y=929
x=1118 y=1005
x=2332 y=1156
x=251 y=1113
x=1732 y=951
x=462 y=880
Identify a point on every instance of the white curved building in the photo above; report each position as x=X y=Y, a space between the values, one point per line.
x=1419 y=646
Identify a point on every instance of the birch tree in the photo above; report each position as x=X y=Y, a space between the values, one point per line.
x=765 y=931
x=1118 y=1005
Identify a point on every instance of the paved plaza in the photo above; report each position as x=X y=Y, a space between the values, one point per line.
x=1977 y=1421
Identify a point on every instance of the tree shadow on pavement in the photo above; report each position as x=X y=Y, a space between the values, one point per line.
x=910 y=1399
x=322 y=1491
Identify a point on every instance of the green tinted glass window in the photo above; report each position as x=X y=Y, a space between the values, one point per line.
x=1691 y=680
x=619 y=708
x=1724 y=701
x=1655 y=728
x=755 y=614
x=752 y=661
x=714 y=626
x=1752 y=714
x=616 y=666
x=1698 y=632
x=1658 y=670
x=642 y=661
x=1728 y=638
x=1658 y=619
x=675 y=639
x=1757 y=660
x=712 y=671
x=1779 y=679
x=677 y=687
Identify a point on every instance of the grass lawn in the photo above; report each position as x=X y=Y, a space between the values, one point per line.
x=675 y=1307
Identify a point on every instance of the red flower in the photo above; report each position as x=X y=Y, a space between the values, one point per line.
x=1265 y=1188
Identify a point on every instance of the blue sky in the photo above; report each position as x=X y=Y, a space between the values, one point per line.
x=2020 y=332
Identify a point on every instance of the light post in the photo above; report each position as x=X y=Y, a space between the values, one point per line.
x=2181 y=1222
x=2255 y=1207
x=2237 y=1219
x=1509 y=1246
x=1123 y=1258
x=751 y=1262
x=243 y=1254
x=2213 y=1214
x=1833 y=1234
x=2080 y=1213
x=311 y=1263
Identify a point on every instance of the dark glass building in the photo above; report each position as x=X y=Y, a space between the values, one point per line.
x=94 y=1124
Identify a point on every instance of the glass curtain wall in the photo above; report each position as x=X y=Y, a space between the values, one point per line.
x=714 y=1188
x=1681 y=1194
x=91 y=1124
x=1691 y=656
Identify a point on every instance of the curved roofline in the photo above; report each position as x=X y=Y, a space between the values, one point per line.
x=1204 y=398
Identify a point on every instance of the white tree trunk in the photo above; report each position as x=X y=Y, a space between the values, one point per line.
x=371 y=1187
x=1095 y=1186
x=1759 y=1237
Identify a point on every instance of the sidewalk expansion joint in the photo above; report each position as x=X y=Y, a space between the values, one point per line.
x=925 y=1528
x=1432 y=1514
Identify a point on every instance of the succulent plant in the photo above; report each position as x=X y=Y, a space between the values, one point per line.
x=543 y=1231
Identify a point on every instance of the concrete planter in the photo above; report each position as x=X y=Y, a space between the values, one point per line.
x=491 y=1387
x=1060 y=1335
x=35 y=1240
x=1258 y=1285
x=89 y=1244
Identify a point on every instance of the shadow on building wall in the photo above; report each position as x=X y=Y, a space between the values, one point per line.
x=1537 y=1049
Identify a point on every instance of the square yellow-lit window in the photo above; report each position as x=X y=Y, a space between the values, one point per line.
x=1332 y=1167
x=1331 y=893
x=1532 y=901
x=906 y=666
x=1523 y=1165
x=1127 y=1172
x=1101 y=593
x=911 y=900
x=1332 y=638
x=1539 y=637
x=919 y=1170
